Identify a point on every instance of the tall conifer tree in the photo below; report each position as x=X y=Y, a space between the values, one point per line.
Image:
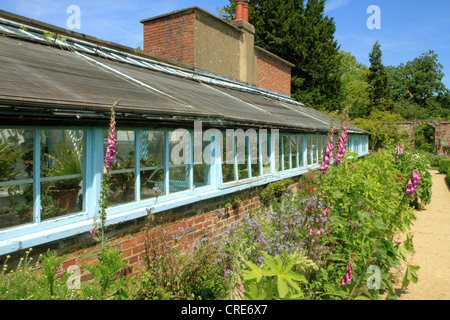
x=378 y=80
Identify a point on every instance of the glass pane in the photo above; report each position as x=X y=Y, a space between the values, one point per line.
x=300 y=151
x=254 y=156
x=152 y=164
x=265 y=146
x=294 y=151
x=308 y=150
x=242 y=158
x=202 y=171
x=278 y=160
x=16 y=164
x=314 y=148
x=61 y=172
x=179 y=160
x=178 y=178
x=286 y=151
x=121 y=182
x=227 y=160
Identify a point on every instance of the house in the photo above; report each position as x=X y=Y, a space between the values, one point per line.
x=225 y=99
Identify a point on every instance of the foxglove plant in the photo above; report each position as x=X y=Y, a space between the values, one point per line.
x=342 y=142
x=328 y=152
x=413 y=183
x=99 y=226
x=399 y=149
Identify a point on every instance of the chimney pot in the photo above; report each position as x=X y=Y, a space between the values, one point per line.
x=239 y=10
x=245 y=12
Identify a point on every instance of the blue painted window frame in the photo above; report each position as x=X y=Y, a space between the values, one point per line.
x=38 y=232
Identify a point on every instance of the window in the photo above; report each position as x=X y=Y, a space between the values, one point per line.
x=62 y=171
x=179 y=160
x=121 y=183
x=51 y=177
x=151 y=164
x=16 y=177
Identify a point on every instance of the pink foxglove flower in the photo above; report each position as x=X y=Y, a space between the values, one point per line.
x=328 y=154
x=342 y=143
x=399 y=150
x=94 y=232
x=112 y=144
x=413 y=183
x=348 y=276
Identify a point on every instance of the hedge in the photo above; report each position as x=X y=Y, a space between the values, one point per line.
x=444 y=164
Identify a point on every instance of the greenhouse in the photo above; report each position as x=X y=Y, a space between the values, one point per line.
x=56 y=95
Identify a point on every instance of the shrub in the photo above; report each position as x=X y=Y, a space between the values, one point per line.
x=444 y=164
x=273 y=191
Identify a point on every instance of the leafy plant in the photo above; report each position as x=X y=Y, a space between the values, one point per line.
x=444 y=165
x=67 y=162
x=273 y=191
x=107 y=272
x=50 y=265
x=278 y=278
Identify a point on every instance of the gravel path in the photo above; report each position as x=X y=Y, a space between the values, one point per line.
x=432 y=245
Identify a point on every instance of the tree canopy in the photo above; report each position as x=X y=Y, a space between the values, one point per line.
x=330 y=80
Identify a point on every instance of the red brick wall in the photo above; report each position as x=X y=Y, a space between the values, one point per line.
x=272 y=74
x=171 y=37
x=207 y=218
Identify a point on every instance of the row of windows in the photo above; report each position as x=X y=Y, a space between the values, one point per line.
x=50 y=173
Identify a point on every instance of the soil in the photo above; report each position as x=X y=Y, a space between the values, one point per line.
x=431 y=243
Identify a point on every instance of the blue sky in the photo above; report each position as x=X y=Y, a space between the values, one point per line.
x=408 y=28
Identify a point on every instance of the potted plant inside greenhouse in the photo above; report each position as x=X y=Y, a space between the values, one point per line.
x=64 y=191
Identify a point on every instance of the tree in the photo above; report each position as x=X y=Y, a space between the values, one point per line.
x=298 y=32
x=417 y=88
x=378 y=80
x=354 y=85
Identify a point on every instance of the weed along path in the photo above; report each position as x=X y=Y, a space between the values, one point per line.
x=431 y=243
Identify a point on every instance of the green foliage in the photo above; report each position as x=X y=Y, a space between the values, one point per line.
x=67 y=162
x=378 y=80
x=306 y=182
x=274 y=190
x=278 y=278
x=8 y=159
x=172 y=275
x=448 y=176
x=50 y=265
x=424 y=139
x=383 y=128
x=38 y=281
x=417 y=88
x=107 y=274
x=444 y=165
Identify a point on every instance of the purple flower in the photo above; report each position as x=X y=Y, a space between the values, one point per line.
x=94 y=232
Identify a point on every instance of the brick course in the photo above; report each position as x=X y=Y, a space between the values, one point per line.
x=205 y=218
x=272 y=74
x=171 y=37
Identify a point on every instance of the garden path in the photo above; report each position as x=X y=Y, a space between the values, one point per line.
x=431 y=243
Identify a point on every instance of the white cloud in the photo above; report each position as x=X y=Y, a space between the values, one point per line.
x=331 y=5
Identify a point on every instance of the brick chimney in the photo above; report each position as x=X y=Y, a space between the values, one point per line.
x=245 y=11
x=197 y=38
x=240 y=10
x=247 y=60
